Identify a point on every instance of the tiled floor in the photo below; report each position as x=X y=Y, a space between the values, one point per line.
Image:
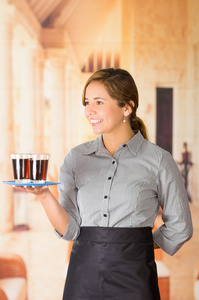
x=45 y=257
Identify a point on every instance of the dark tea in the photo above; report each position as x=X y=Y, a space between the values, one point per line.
x=39 y=167
x=21 y=167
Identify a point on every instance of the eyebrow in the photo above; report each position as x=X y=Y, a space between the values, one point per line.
x=95 y=98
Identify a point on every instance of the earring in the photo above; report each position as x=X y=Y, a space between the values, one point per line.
x=124 y=121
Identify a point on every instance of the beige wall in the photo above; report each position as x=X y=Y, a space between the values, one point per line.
x=165 y=53
x=159 y=42
x=192 y=101
x=41 y=79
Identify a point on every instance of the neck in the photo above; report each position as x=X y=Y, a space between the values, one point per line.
x=112 y=142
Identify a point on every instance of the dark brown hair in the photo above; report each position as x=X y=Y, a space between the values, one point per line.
x=121 y=86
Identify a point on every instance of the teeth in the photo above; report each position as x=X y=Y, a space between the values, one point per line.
x=96 y=121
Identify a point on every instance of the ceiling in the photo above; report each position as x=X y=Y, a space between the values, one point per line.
x=89 y=23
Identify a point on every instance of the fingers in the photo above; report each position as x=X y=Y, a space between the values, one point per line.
x=19 y=188
x=31 y=189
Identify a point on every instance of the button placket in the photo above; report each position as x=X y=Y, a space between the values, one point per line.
x=106 y=194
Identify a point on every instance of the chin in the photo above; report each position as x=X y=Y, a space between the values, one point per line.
x=97 y=132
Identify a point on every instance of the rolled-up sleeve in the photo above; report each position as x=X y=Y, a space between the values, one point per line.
x=177 y=224
x=68 y=198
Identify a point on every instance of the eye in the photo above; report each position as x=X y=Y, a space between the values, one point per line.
x=86 y=102
x=99 y=102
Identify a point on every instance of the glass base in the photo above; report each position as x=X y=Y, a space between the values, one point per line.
x=38 y=181
x=22 y=180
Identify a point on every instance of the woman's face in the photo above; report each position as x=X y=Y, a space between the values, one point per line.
x=102 y=111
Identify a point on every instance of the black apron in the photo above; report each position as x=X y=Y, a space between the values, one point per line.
x=112 y=264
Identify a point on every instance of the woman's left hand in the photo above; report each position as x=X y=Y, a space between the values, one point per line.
x=155 y=246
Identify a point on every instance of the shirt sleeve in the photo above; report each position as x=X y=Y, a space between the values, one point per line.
x=177 y=224
x=68 y=198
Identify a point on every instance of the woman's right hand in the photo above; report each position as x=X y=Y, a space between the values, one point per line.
x=39 y=191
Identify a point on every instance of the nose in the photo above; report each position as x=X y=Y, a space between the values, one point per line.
x=90 y=109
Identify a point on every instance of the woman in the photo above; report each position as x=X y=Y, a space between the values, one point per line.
x=109 y=197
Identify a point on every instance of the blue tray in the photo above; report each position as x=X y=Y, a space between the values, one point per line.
x=31 y=183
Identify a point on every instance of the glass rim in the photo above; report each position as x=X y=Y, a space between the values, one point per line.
x=40 y=156
x=20 y=155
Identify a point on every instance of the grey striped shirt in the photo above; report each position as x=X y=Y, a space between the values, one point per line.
x=125 y=190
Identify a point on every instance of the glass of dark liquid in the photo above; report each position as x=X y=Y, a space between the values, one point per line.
x=39 y=167
x=21 y=167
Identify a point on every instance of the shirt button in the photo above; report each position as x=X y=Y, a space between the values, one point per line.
x=105 y=197
x=109 y=178
x=105 y=215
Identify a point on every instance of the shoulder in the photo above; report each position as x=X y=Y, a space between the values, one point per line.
x=85 y=148
x=166 y=164
x=78 y=156
x=162 y=159
x=74 y=155
x=82 y=150
x=156 y=151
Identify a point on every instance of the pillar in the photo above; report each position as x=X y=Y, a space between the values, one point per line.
x=68 y=105
x=77 y=109
x=6 y=117
x=27 y=101
x=39 y=101
x=127 y=51
x=57 y=114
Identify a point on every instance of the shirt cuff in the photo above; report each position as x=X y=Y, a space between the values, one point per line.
x=72 y=231
x=164 y=243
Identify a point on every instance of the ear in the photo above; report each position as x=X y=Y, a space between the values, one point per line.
x=128 y=108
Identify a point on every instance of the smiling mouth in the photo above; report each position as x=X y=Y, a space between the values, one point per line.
x=96 y=121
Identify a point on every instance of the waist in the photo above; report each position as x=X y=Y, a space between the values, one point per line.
x=116 y=234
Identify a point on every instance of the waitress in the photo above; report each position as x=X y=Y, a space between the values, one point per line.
x=109 y=197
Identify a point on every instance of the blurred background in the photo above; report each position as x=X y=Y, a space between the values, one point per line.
x=48 y=49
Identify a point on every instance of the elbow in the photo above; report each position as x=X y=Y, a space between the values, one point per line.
x=189 y=230
x=187 y=233
x=185 y=229
x=190 y=233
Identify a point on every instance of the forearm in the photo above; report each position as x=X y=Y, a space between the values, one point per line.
x=55 y=212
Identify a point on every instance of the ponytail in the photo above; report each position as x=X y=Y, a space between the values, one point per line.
x=137 y=124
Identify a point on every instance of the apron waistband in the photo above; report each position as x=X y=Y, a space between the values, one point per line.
x=116 y=234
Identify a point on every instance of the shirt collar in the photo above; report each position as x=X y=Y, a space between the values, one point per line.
x=97 y=146
x=135 y=142
x=93 y=146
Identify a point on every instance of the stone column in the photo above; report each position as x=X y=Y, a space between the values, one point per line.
x=6 y=117
x=127 y=51
x=77 y=111
x=74 y=118
x=39 y=102
x=74 y=107
x=68 y=105
x=27 y=101
x=57 y=114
